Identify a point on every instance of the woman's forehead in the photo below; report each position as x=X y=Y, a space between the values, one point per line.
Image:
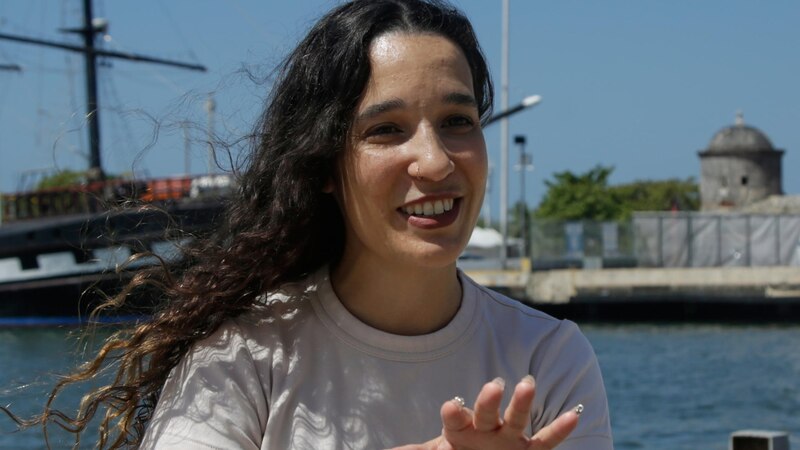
x=405 y=62
x=396 y=44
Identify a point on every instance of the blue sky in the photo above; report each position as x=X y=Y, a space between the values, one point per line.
x=640 y=85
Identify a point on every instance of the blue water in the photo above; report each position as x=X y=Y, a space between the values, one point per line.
x=670 y=387
x=688 y=386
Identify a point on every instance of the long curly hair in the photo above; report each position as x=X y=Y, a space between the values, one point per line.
x=279 y=227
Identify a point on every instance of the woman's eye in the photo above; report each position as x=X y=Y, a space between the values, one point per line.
x=382 y=130
x=459 y=121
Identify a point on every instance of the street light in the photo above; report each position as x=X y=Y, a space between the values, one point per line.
x=504 y=138
x=487 y=198
x=526 y=102
x=525 y=164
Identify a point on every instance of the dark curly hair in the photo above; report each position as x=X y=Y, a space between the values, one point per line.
x=280 y=226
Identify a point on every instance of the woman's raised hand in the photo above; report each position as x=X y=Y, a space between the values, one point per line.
x=485 y=429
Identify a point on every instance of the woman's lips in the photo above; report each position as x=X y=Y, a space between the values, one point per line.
x=432 y=221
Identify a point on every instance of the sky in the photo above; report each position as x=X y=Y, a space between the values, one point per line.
x=639 y=85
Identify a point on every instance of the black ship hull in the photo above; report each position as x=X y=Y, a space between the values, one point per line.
x=58 y=270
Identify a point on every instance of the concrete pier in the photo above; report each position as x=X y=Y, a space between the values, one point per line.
x=731 y=283
x=703 y=293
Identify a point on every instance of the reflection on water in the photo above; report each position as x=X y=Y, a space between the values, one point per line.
x=689 y=386
x=670 y=387
x=31 y=360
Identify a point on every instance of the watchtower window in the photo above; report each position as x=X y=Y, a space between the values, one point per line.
x=744 y=180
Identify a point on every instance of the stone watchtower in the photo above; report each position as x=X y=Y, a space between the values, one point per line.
x=738 y=168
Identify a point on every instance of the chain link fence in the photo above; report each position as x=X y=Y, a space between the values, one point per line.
x=668 y=239
x=562 y=244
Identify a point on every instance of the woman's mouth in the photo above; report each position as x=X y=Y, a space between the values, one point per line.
x=432 y=214
x=431 y=208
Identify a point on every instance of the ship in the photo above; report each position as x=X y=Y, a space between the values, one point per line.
x=63 y=250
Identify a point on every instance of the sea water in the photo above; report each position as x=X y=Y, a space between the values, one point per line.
x=687 y=387
x=670 y=387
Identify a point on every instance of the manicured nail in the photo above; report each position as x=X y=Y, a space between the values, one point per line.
x=528 y=379
x=578 y=409
x=500 y=382
x=458 y=401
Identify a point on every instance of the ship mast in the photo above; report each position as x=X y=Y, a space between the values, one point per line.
x=90 y=60
x=90 y=53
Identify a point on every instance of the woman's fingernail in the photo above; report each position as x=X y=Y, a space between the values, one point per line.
x=528 y=379
x=500 y=381
x=458 y=401
x=578 y=409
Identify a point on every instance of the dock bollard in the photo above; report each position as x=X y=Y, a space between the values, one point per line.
x=759 y=440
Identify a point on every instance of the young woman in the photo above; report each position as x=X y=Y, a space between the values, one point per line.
x=331 y=313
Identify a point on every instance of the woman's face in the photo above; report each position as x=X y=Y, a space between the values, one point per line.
x=413 y=175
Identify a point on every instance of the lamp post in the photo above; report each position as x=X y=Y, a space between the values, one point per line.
x=504 y=139
x=487 y=202
x=525 y=164
x=526 y=102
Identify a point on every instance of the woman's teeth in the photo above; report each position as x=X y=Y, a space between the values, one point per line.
x=430 y=208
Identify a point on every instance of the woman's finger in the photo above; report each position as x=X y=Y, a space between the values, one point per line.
x=455 y=417
x=487 y=406
x=518 y=413
x=553 y=434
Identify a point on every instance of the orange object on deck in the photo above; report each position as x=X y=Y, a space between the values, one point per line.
x=167 y=189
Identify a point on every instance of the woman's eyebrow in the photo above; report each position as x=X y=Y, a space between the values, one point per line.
x=459 y=98
x=380 y=108
x=456 y=98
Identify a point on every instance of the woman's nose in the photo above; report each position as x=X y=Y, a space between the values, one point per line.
x=432 y=160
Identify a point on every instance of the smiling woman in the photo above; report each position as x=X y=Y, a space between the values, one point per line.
x=329 y=312
x=416 y=144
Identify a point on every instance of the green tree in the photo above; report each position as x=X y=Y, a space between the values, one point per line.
x=580 y=197
x=659 y=195
x=588 y=196
x=67 y=177
x=62 y=178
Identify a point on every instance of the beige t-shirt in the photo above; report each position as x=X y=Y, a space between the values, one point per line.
x=301 y=372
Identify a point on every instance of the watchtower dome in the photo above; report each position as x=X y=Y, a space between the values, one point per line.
x=739 y=167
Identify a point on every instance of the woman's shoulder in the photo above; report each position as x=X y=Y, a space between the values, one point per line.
x=508 y=308
x=513 y=321
x=265 y=324
x=281 y=304
x=561 y=359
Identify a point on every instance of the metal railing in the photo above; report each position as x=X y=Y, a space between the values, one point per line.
x=681 y=239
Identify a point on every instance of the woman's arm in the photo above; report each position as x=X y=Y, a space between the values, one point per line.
x=568 y=372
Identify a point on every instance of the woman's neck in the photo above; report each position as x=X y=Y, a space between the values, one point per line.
x=399 y=300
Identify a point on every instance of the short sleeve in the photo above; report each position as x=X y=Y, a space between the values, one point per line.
x=214 y=398
x=567 y=374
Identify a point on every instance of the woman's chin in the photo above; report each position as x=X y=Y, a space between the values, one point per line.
x=435 y=254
